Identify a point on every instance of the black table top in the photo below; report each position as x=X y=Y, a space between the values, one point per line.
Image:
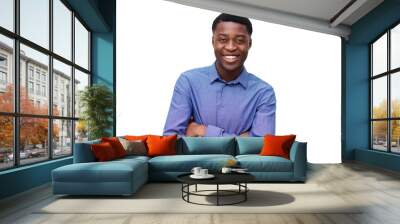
x=220 y=178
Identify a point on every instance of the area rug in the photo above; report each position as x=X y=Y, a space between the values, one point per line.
x=167 y=198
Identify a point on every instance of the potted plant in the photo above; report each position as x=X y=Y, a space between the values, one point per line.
x=97 y=106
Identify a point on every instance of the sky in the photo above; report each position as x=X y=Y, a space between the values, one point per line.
x=154 y=46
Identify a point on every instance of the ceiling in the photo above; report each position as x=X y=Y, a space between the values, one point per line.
x=327 y=16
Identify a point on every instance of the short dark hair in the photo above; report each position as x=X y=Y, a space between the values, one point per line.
x=232 y=18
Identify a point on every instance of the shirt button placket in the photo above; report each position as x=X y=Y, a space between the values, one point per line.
x=221 y=106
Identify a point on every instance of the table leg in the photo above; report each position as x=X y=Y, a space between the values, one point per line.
x=196 y=188
x=245 y=191
x=188 y=190
x=182 y=190
x=217 y=194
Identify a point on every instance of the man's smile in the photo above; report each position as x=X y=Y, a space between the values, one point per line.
x=230 y=58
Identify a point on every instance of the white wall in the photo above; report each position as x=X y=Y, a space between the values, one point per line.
x=157 y=40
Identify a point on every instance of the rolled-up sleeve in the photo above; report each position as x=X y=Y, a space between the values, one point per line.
x=264 y=120
x=180 y=109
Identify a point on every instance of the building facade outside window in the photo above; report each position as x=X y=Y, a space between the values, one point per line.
x=3 y=72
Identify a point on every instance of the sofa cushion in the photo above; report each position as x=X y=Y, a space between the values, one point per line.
x=111 y=171
x=208 y=145
x=257 y=163
x=185 y=163
x=249 y=145
x=132 y=158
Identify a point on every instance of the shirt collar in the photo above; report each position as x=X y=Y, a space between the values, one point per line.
x=242 y=79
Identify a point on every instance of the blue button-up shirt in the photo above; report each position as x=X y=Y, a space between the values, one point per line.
x=225 y=108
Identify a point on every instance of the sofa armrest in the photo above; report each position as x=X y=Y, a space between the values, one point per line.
x=83 y=152
x=298 y=155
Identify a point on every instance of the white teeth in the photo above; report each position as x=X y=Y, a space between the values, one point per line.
x=230 y=57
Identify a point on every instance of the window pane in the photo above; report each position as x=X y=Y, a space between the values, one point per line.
x=395 y=136
x=35 y=21
x=379 y=98
x=379 y=135
x=34 y=97
x=62 y=137
x=395 y=47
x=81 y=45
x=33 y=140
x=395 y=94
x=6 y=142
x=62 y=89
x=81 y=81
x=379 y=55
x=81 y=131
x=7 y=14
x=62 y=29
x=6 y=74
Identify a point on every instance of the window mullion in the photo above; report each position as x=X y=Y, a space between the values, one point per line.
x=73 y=82
x=16 y=84
x=371 y=140
x=50 y=81
x=389 y=104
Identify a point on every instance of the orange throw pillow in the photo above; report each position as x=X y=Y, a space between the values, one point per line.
x=135 y=138
x=103 y=152
x=161 y=145
x=116 y=145
x=277 y=145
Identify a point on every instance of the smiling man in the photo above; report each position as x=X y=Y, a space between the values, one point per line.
x=223 y=99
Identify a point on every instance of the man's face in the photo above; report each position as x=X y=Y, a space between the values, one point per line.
x=231 y=43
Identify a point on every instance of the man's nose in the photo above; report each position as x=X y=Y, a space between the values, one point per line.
x=230 y=45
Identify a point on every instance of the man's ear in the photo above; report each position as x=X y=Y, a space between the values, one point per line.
x=212 y=40
x=251 y=41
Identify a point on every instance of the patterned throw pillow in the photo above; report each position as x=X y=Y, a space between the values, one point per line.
x=134 y=147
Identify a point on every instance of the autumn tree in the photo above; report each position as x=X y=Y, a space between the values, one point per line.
x=6 y=122
x=380 y=127
x=33 y=131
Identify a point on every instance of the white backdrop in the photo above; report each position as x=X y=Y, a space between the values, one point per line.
x=157 y=40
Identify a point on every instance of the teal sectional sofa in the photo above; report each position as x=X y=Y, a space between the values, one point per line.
x=125 y=176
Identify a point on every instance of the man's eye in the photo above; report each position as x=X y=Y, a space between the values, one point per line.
x=222 y=40
x=240 y=41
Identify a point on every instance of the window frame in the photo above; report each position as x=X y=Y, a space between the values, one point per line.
x=15 y=71
x=388 y=74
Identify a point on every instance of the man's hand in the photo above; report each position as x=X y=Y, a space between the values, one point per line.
x=195 y=130
x=245 y=134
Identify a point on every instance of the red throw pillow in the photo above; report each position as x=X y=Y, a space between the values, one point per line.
x=103 y=151
x=277 y=145
x=116 y=145
x=161 y=145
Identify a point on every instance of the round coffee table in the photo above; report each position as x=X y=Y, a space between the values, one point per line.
x=238 y=179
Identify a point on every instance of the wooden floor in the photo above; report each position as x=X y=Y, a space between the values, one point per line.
x=377 y=188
